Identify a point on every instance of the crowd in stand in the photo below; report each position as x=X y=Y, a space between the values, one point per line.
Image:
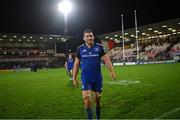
x=152 y=50
x=176 y=48
x=21 y=52
x=149 y=53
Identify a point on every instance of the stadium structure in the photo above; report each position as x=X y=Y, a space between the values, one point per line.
x=148 y=91
x=25 y=49
x=158 y=42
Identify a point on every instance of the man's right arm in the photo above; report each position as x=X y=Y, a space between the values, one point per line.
x=75 y=71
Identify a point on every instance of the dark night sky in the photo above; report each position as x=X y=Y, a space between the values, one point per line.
x=102 y=16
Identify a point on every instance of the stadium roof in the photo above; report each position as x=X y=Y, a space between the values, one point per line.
x=29 y=38
x=146 y=32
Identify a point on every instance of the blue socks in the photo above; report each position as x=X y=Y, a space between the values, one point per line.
x=98 y=113
x=89 y=113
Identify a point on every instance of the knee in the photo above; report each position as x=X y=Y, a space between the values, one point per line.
x=87 y=101
x=97 y=98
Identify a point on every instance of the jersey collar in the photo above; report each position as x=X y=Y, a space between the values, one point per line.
x=91 y=46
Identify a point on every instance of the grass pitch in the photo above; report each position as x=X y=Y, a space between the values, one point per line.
x=139 y=92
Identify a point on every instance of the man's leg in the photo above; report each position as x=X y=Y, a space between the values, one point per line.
x=70 y=74
x=87 y=103
x=97 y=96
x=67 y=71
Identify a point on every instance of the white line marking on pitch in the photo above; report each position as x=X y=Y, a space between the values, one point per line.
x=129 y=81
x=118 y=83
x=168 y=113
x=134 y=78
x=126 y=82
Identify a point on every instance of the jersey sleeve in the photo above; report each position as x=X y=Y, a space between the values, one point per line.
x=78 y=53
x=102 y=52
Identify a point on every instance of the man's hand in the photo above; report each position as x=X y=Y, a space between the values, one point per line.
x=113 y=75
x=75 y=83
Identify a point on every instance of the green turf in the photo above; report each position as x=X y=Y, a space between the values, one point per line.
x=48 y=94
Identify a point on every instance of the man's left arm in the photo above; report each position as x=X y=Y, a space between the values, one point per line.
x=109 y=65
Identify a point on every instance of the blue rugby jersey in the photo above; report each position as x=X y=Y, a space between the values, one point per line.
x=70 y=63
x=90 y=59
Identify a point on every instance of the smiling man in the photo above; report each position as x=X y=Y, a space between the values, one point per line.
x=89 y=56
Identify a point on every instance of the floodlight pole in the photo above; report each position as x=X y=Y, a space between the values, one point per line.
x=65 y=24
x=66 y=31
x=65 y=8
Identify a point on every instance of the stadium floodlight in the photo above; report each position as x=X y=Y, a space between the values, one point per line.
x=174 y=30
x=65 y=7
x=132 y=35
x=164 y=26
x=126 y=33
x=106 y=37
x=155 y=31
x=149 y=29
x=115 y=35
x=143 y=33
x=169 y=29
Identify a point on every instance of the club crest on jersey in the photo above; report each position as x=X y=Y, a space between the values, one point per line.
x=96 y=49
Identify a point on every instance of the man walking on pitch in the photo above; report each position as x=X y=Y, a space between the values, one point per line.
x=89 y=55
x=69 y=65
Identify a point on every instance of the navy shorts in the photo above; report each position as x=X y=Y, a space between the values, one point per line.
x=69 y=69
x=95 y=86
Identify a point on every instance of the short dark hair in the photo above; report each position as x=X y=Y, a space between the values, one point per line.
x=87 y=31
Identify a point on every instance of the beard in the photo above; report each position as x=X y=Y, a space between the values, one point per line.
x=90 y=42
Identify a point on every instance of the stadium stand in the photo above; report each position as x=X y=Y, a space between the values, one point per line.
x=157 y=42
x=24 y=49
